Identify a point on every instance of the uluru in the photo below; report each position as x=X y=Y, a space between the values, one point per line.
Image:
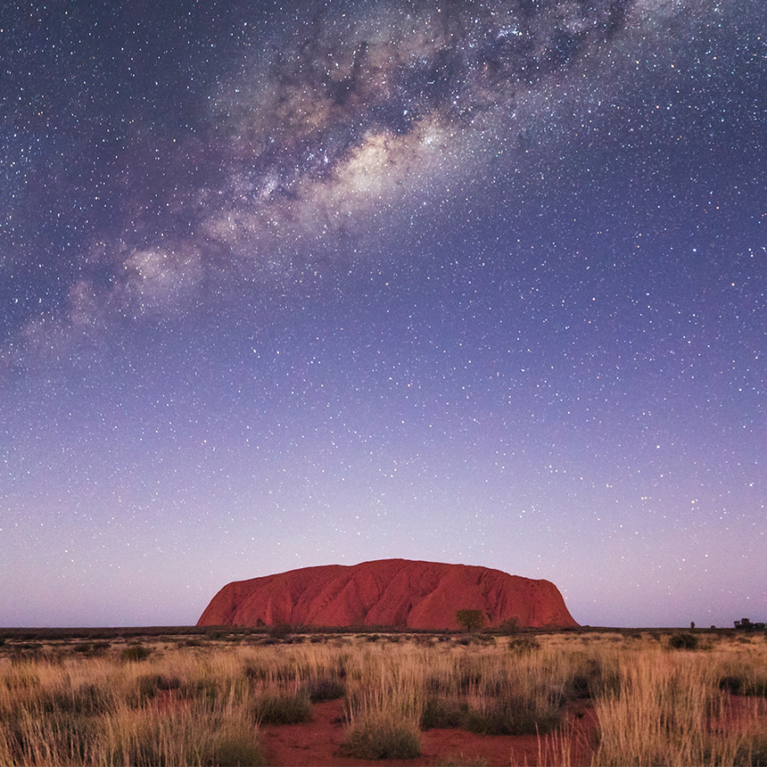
x=388 y=592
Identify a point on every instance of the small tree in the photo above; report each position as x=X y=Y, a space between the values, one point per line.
x=470 y=620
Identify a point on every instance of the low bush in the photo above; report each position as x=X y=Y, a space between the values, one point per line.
x=235 y=747
x=591 y=679
x=325 y=688
x=83 y=647
x=205 y=692
x=146 y=740
x=85 y=699
x=151 y=684
x=509 y=627
x=379 y=735
x=444 y=713
x=744 y=684
x=135 y=652
x=288 y=708
x=522 y=645
x=731 y=684
x=514 y=716
x=683 y=640
x=280 y=631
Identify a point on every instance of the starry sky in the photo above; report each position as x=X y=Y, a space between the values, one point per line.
x=286 y=284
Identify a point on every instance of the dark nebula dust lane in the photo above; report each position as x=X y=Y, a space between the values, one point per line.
x=289 y=284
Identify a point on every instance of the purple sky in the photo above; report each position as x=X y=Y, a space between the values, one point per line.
x=300 y=284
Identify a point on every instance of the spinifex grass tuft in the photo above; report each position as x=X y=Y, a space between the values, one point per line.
x=380 y=734
x=444 y=713
x=512 y=715
x=283 y=707
x=325 y=688
x=670 y=710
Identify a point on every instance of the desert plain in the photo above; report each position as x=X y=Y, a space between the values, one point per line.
x=283 y=696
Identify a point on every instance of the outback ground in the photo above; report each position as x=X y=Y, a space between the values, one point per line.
x=283 y=697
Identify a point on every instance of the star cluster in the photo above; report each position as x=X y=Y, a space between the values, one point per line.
x=300 y=283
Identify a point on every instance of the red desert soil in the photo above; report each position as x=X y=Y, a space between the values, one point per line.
x=387 y=592
x=318 y=744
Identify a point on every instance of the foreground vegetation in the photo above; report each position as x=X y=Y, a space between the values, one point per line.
x=204 y=698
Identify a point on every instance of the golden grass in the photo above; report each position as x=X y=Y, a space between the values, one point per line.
x=204 y=704
x=173 y=710
x=670 y=709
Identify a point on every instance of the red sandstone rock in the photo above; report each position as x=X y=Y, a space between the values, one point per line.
x=388 y=592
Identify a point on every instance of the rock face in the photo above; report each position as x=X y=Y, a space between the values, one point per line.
x=388 y=592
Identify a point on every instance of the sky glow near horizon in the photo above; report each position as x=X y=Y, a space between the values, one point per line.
x=284 y=285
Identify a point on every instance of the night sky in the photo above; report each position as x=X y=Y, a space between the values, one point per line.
x=294 y=284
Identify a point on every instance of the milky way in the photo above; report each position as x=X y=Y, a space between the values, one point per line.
x=328 y=121
x=293 y=284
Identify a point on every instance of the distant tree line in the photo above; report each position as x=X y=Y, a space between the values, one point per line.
x=745 y=625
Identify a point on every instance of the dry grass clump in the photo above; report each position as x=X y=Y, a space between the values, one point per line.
x=382 y=734
x=283 y=707
x=482 y=689
x=498 y=693
x=187 y=735
x=669 y=710
x=135 y=652
x=325 y=688
x=384 y=701
x=103 y=711
x=744 y=673
x=514 y=715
